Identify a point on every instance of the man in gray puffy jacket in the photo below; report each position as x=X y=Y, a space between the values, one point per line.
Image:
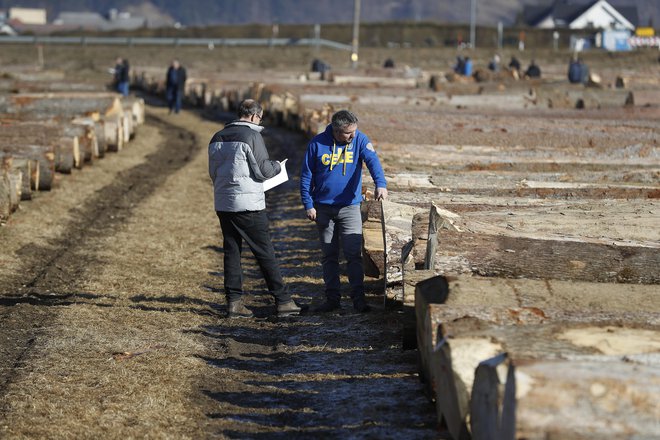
x=238 y=164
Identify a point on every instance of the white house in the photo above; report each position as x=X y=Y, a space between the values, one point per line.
x=595 y=14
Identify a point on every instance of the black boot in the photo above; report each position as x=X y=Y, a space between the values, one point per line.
x=327 y=306
x=360 y=305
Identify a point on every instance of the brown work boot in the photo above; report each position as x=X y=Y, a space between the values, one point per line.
x=288 y=308
x=236 y=309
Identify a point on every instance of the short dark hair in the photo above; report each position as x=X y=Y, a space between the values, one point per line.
x=343 y=118
x=249 y=107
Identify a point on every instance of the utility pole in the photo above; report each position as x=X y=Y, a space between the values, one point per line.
x=356 y=35
x=473 y=24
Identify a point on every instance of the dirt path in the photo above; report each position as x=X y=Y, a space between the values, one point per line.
x=112 y=314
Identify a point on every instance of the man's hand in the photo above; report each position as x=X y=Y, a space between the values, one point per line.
x=381 y=193
x=311 y=214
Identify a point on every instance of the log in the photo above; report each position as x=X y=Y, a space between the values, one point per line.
x=94 y=140
x=113 y=133
x=29 y=171
x=64 y=105
x=97 y=126
x=397 y=221
x=64 y=136
x=593 y=397
x=373 y=249
x=136 y=107
x=477 y=247
x=5 y=197
x=11 y=183
x=45 y=155
x=571 y=97
x=457 y=306
x=469 y=336
x=374 y=81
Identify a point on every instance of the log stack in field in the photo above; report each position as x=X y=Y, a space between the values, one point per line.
x=47 y=131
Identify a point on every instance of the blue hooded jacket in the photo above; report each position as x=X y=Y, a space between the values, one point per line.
x=332 y=173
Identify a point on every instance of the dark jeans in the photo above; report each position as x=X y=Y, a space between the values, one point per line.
x=174 y=96
x=251 y=226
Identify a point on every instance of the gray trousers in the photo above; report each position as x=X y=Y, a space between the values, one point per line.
x=341 y=224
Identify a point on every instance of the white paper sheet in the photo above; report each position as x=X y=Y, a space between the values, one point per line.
x=278 y=179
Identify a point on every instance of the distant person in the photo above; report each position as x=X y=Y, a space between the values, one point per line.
x=494 y=64
x=533 y=70
x=121 y=76
x=175 y=85
x=584 y=72
x=389 y=63
x=238 y=164
x=467 y=67
x=575 y=71
x=320 y=66
x=331 y=192
x=459 y=67
x=514 y=64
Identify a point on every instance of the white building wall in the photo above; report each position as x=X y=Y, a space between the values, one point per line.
x=28 y=15
x=601 y=15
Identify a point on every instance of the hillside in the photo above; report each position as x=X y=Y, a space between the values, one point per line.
x=206 y=12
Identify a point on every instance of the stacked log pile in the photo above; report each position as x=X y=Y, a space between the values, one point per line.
x=529 y=264
x=45 y=132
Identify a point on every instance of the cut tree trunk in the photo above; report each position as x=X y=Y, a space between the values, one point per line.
x=64 y=136
x=467 y=246
x=373 y=249
x=45 y=155
x=10 y=187
x=468 y=336
x=63 y=105
x=29 y=170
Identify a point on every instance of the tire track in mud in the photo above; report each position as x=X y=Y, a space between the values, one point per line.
x=49 y=275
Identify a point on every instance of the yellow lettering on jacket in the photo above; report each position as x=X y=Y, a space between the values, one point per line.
x=337 y=158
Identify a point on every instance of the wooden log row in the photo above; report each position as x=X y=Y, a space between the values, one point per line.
x=592 y=398
x=29 y=169
x=466 y=246
x=11 y=184
x=75 y=139
x=48 y=158
x=457 y=334
x=33 y=145
x=582 y=98
x=64 y=106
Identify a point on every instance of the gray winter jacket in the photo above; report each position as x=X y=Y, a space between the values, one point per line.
x=238 y=163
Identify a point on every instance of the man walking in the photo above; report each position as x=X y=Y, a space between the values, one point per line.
x=238 y=164
x=175 y=81
x=331 y=192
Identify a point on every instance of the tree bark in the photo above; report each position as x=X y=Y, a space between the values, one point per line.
x=469 y=246
x=45 y=155
x=29 y=173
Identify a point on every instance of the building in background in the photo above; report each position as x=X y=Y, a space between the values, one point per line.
x=33 y=16
x=115 y=20
x=598 y=14
x=594 y=23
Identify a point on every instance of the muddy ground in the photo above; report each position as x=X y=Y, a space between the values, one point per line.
x=111 y=285
x=112 y=314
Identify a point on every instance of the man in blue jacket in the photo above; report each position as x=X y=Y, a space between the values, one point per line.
x=238 y=164
x=331 y=192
